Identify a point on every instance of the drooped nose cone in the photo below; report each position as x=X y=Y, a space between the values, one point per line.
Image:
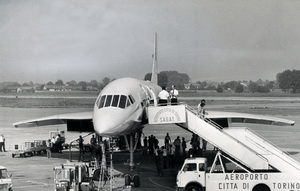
x=109 y=121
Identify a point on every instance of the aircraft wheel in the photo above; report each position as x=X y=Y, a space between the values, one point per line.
x=127 y=180
x=13 y=155
x=261 y=187
x=136 y=180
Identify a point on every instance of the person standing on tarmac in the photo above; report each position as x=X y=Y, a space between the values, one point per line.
x=1 y=143
x=183 y=145
x=177 y=144
x=49 y=146
x=81 y=151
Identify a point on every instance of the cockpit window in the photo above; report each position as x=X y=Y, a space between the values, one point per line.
x=115 y=101
x=101 y=102
x=122 y=101
x=108 y=101
x=131 y=99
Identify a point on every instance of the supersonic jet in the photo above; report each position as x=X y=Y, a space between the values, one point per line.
x=121 y=110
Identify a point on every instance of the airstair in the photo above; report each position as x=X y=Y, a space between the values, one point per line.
x=276 y=157
x=243 y=145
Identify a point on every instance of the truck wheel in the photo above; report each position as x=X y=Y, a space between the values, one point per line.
x=136 y=180
x=193 y=187
x=127 y=180
x=261 y=187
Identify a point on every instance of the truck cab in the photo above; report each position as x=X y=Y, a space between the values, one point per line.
x=5 y=179
x=71 y=177
x=192 y=174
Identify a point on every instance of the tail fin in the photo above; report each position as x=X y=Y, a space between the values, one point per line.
x=154 y=78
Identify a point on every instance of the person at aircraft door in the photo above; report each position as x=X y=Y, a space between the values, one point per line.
x=173 y=95
x=163 y=97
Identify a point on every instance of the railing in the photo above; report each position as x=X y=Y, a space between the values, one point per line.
x=220 y=128
x=278 y=150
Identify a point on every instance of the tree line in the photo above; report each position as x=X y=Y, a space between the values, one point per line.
x=288 y=81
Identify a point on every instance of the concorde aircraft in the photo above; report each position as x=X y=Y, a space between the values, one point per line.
x=121 y=109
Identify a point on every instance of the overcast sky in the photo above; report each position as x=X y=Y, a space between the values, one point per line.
x=47 y=40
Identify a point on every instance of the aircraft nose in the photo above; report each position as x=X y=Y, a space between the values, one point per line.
x=105 y=121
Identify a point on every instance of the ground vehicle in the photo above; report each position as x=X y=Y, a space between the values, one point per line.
x=30 y=148
x=73 y=177
x=5 y=180
x=227 y=174
x=58 y=144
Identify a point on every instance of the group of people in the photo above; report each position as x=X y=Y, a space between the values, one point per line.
x=95 y=148
x=198 y=146
x=164 y=96
x=55 y=144
x=166 y=155
x=172 y=152
x=2 y=143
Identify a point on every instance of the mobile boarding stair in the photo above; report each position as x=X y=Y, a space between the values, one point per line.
x=246 y=147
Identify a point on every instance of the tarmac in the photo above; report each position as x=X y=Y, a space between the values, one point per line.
x=35 y=173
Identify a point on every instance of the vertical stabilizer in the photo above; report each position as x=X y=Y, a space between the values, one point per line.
x=154 y=78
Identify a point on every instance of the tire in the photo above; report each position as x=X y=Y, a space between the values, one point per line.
x=261 y=187
x=127 y=180
x=136 y=181
x=193 y=187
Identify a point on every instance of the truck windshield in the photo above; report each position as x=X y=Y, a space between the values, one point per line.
x=63 y=174
x=3 y=174
x=190 y=167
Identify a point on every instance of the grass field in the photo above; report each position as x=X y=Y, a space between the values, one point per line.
x=86 y=99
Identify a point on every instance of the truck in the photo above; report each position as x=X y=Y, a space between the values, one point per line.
x=227 y=174
x=5 y=180
x=36 y=147
x=74 y=176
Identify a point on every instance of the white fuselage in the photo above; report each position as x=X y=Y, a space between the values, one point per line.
x=120 y=107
